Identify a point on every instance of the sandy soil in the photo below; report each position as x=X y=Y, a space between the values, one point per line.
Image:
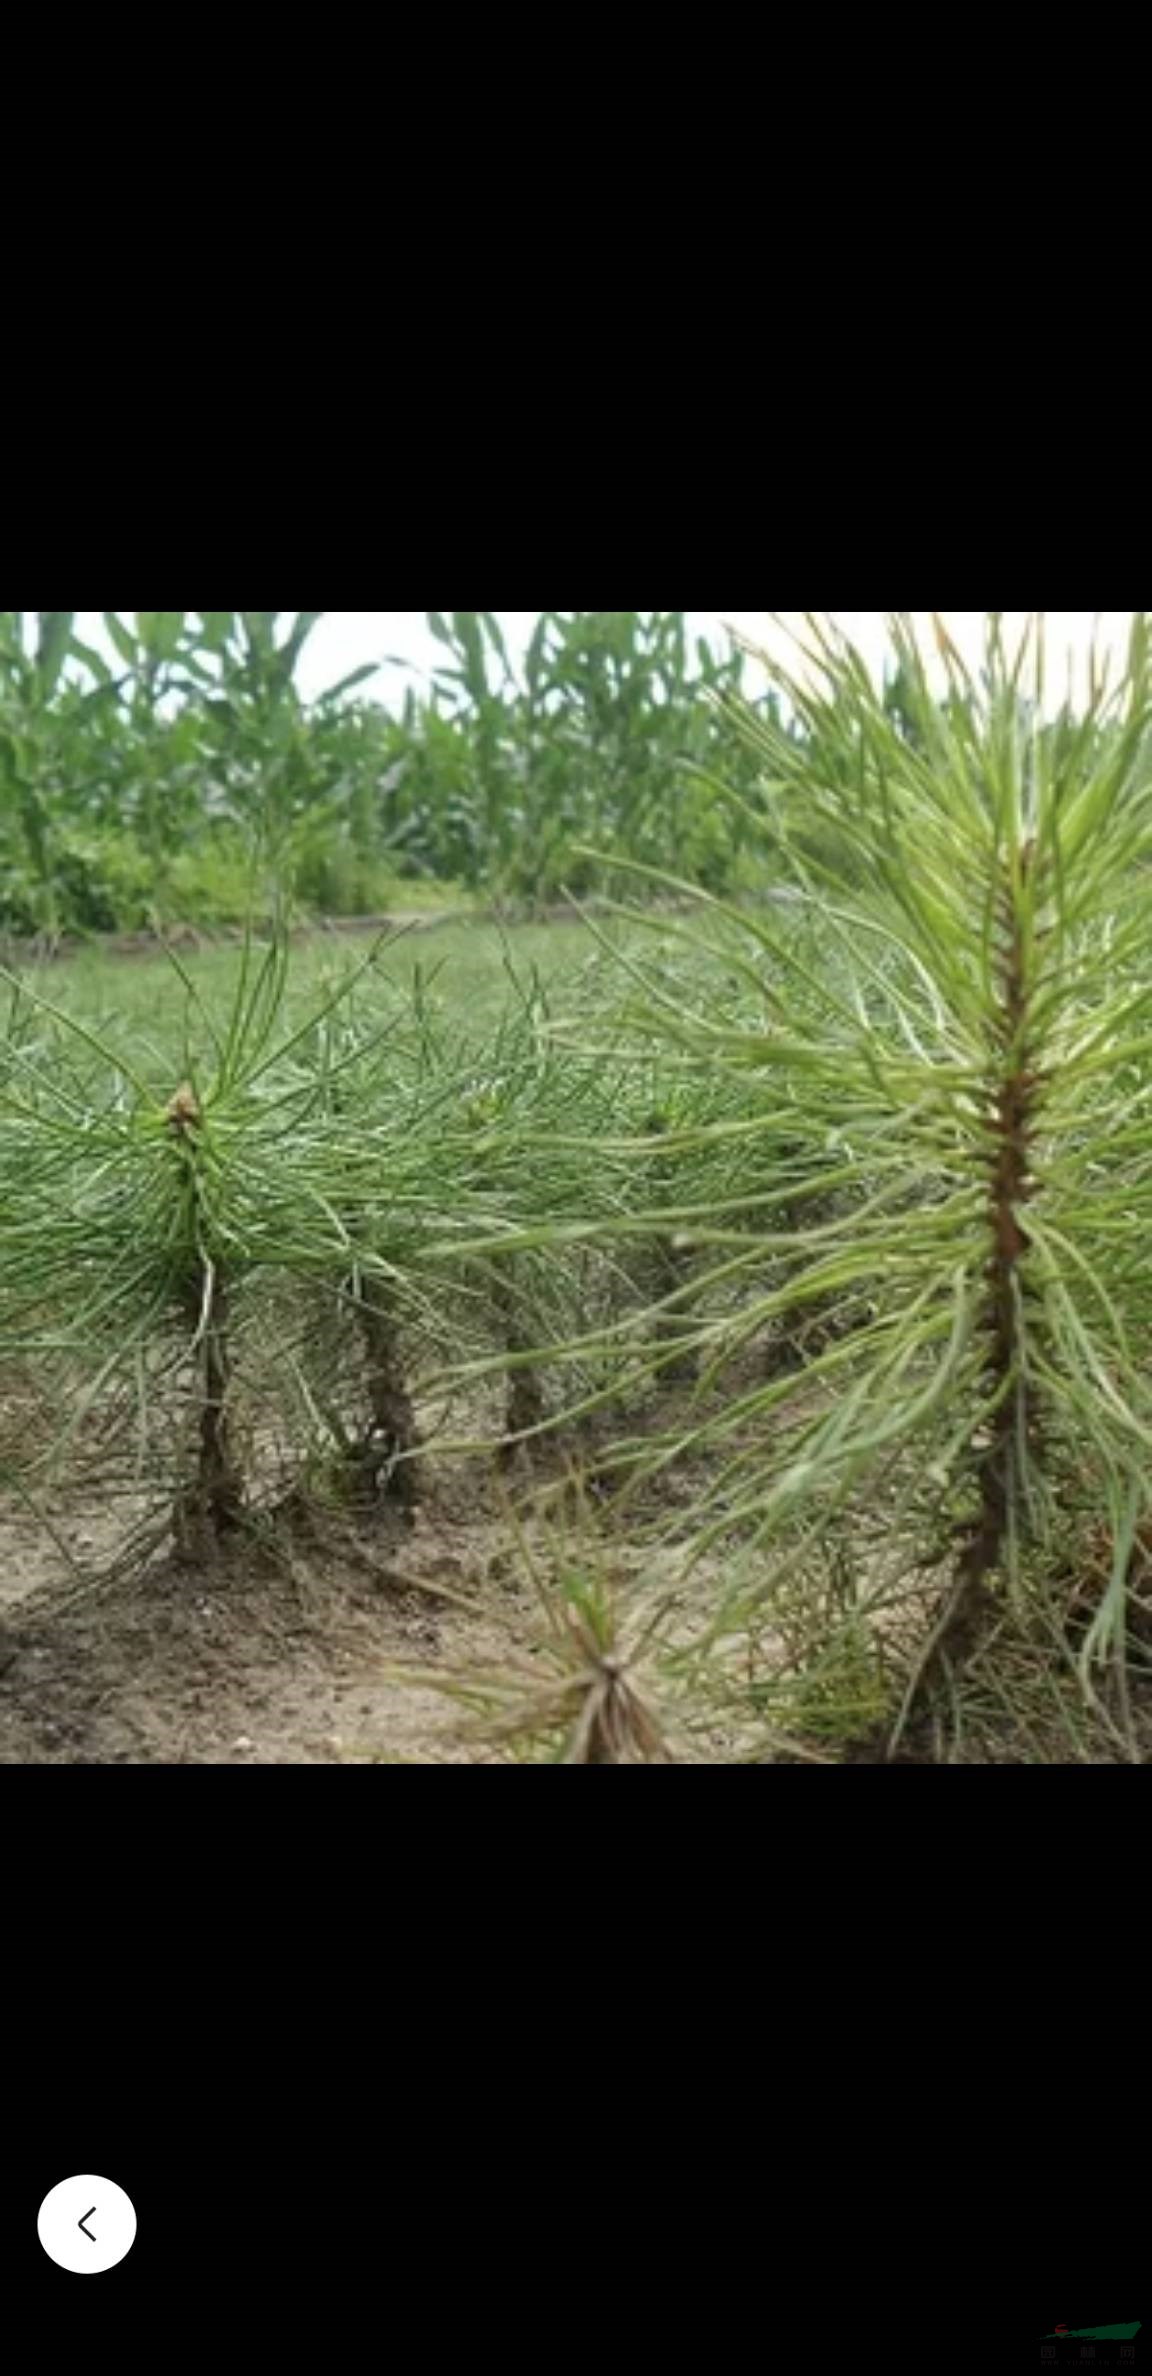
x=275 y=1655
x=281 y=1651
x=278 y=1652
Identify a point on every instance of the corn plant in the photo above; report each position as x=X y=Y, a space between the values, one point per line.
x=28 y=822
x=603 y=734
x=138 y=787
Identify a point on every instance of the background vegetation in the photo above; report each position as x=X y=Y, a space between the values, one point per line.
x=186 y=779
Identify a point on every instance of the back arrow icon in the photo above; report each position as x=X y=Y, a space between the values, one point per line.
x=87 y=2231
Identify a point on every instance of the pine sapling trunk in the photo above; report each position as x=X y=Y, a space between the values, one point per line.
x=1011 y=1444
x=524 y=1407
x=380 y=1471
x=1014 y=1437
x=672 y=1267
x=210 y=1504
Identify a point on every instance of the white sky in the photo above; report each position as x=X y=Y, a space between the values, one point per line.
x=344 y=640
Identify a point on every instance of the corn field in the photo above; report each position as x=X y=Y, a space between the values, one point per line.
x=185 y=780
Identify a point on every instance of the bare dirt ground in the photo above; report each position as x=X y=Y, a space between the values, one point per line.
x=274 y=1655
x=280 y=1652
x=114 y=1650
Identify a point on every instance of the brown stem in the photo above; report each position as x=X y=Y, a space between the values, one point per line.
x=1014 y=1433
x=1013 y=1436
x=673 y=1268
x=211 y=1505
x=393 y=1430
x=524 y=1407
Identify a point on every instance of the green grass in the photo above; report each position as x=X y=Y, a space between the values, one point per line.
x=143 y=998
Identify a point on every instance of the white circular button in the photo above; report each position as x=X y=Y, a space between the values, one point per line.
x=86 y=2225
